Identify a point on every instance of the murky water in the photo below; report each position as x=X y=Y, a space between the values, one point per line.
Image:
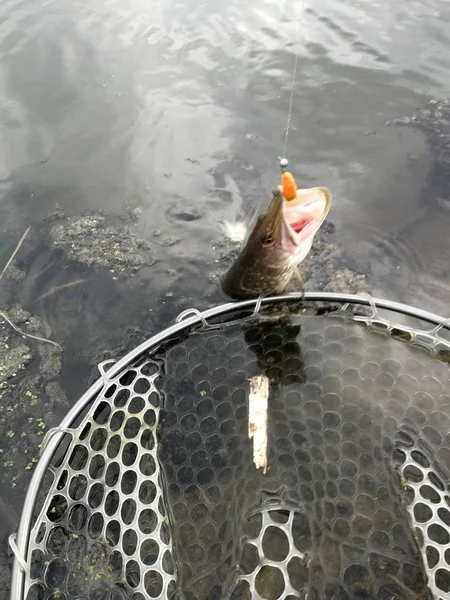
x=179 y=109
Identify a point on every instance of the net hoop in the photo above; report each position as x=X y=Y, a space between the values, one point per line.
x=186 y=320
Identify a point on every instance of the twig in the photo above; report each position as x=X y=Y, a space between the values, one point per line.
x=11 y=258
x=4 y=315
x=59 y=288
x=42 y=271
x=257 y=419
x=34 y=337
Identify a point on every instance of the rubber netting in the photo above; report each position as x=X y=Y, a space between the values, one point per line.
x=155 y=494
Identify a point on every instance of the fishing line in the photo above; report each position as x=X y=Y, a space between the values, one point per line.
x=283 y=160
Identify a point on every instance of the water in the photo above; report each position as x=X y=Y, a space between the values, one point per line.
x=179 y=109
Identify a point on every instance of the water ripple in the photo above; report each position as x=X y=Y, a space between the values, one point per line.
x=180 y=107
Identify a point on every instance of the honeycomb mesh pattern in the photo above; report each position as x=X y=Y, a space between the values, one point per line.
x=103 y=528
x=429 y=508
x=157 y=495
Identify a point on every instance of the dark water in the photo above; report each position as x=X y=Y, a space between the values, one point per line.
x=180 y=108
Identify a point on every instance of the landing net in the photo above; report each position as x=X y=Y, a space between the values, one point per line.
x=149 y=488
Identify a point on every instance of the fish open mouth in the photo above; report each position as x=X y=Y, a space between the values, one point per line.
x=299 y=225
x=304 y=214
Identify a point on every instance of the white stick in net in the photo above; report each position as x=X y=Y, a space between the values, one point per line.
x=257 y=419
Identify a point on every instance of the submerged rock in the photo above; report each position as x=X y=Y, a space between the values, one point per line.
x=325 y=268
x=15 y=354
x=433 y=120
x=11 y=279
x=93 y=241
x=29 y=394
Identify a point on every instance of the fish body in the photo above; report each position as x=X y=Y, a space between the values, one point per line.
x=280 y=241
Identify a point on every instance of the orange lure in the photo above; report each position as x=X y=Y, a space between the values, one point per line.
x=289 y=186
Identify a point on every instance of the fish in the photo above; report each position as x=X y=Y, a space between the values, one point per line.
x=280 y=240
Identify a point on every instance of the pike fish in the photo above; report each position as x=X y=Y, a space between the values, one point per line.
x=280 y=241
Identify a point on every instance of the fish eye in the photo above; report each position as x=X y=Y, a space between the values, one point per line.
x=268 y=241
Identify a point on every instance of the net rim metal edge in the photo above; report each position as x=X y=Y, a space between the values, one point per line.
x=22 y=538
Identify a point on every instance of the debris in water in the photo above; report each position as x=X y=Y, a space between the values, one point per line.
x=64 y=286
x=257 y=419
x=11 y=258
x=5 y=317
x=3 y=313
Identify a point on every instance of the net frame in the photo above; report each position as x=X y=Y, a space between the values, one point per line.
x=187 y=320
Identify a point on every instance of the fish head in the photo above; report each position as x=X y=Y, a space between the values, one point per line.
x=301 y=219
x=279 y=241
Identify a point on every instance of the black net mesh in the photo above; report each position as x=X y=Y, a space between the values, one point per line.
x=157 y=495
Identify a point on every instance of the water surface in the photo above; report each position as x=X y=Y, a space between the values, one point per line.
x=179 y=108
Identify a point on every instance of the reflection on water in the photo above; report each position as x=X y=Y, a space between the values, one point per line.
x=177 y=109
